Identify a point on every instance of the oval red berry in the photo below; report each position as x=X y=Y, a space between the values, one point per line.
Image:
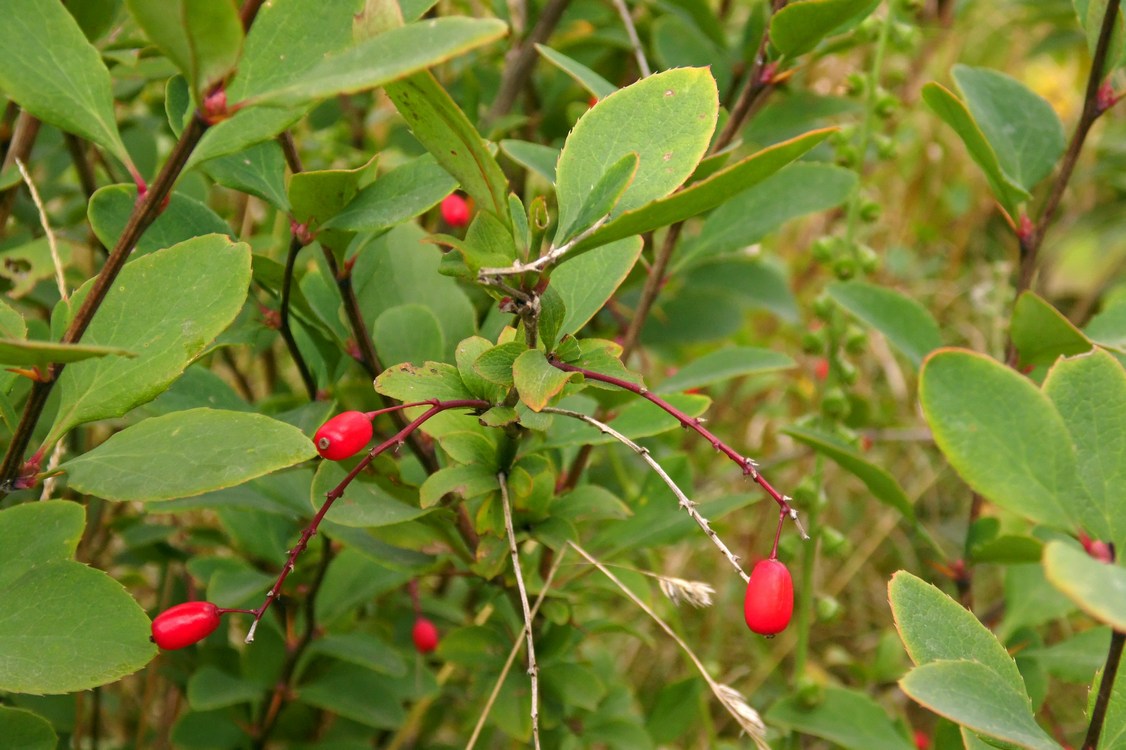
x=769 y=603
x=343 y=436
x=425 y=635
x=455 y=210
x=184 y=624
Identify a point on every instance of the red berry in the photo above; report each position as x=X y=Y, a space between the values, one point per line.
x=455 y=210
x=821 y=369
x=425 y=635
x=343 y=436
x=184 y=624
x=922 y=740
x=770 y=598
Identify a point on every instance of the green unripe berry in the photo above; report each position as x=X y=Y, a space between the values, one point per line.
x=847 y=155
x=870 y=211
x=886 y=104
x=824 y=249
x=828 y=608
x=805 y=494
x=834 y=543
x=856 y=84
x=855 y=340
x=824 y=307
x=844 y=267
x=813 y=342
x=885 y=146
x=846 y=371
x=809 y=692
x=868 y=259
x=834 y=403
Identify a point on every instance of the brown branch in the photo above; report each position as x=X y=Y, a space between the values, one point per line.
x=295 y=245
x=521 y=60
x=146 y=212
x=23 y=139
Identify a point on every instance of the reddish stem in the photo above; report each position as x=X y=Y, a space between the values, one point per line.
x=337 y=492
x=747 y=465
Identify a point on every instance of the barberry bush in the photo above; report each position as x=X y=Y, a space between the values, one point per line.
x=394 y=373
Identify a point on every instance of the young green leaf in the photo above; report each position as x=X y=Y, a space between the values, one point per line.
x=402 y=194
x=586 y=283
x=602 y=197
x=536 y=380
x=202 y=38
x=1042 y=334
x=183 y=219
x=798 y=27
x=433 y=380
x=848 y=718
x=27 y=730
x=724 y=364
x=408 y=333
x=598 y=86
x=24 y=352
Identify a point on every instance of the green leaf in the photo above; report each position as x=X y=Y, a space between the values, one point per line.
x=724 y=364
x=45 y=352
x=388 y=57
x=667 y=119
x=434 y=380
x=553 y=311
x=1042 y=334
x=1021 y=126
x=533 y=156
x=640 y=418
x=799 y=27
x=495 y=365
x=954 y=113
x=536 y=380
x=602 y=197
x=362 y=649
x=92 y=633
x=468 y=351
x=166 y=307
x=187 y=453
x=402 y=194
x=12 y=324
x=183 y=219
x=465 y=481
x=598 y=86
x=698 y=197
x=258 y=170
x=934 y=627
x=971 y=694
x=211 y=688
x=1005 y=438
x=408 y=333
x=1096 y=588
x=202 y=38
x=357 y=694
x=587 y=282
x=795 y=190
x=844 y=717
x=445 y=131
x=364 y=504
x=903 y=320
x=317 y=196
x=51 y=70
x=881 y=484
x=1091 y=14
x=47 y=532
x=26 y=730
x=27 y=264
x=1089 y=392
x=1108 y=327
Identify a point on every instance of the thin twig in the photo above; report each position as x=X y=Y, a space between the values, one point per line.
x=540 y=264
x=52 y=243
x=634 y=41
x=688 y=506
x=337 y=492
x=533 y=668
x=730 y=698
x=294 y=652
x=24 y=134
x=1106 y=686
x=547 y=581
x=520 y=61
x=1093 y=108
x=747 y=465
x=295 y=245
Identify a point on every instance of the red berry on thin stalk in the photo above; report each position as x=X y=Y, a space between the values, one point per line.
x=769 y=602
x=425 y=635
x=455 y=210
x=343 y=436
x=184 y=625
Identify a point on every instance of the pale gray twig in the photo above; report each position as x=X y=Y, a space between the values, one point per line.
x=490 y=275
x=533 y=669
x=635 y=42
x=55 y=259
x=731 y=699
x=688 y=505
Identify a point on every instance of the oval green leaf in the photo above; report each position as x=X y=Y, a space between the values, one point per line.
x=187 y=453
x=907 y=324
